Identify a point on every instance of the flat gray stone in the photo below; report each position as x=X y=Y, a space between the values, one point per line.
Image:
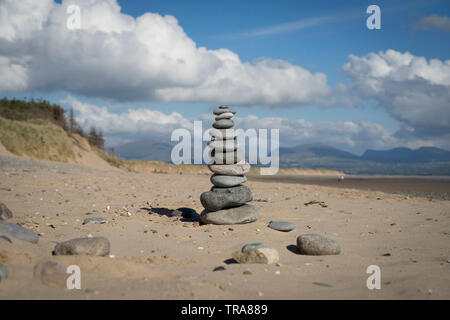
x=219 y=198
x=51 y=272
x=223 y=134
x=261 y=256
x=223 y=124
x=231 y=157
x=252 y=246
x=237 y=215
x=223 y=145
x=96 y=246
x=284 y=226
x=18 y=232
x=223 y=181
x=236 y=169
x=5 y=213
x=95 y=220
x=317 y=245
x=3 y=272
x=226 y=115
x=223 y=110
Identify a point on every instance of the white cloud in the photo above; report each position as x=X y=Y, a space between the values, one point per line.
x=433 y=21
x=149 y=58
x=413 y=90
x=142 y=124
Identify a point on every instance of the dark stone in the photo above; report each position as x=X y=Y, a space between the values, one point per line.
x=219 y=268
x=219 y=198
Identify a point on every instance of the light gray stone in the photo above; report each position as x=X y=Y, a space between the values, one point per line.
x=231 y=157
x=236 y=169
x=237 y=215
x=284 y=226
x=223 y=181
x=219 y=198
x=252 y=246
x=317 y=245
x=226 y=115
x=223 y=124
x=96 y=246
x=18 y=232
x=5 y=213
x=223 y=145
x=95 y=220
x=219 y=111
x=51 y=272
x=223 y=134
x=261 y=256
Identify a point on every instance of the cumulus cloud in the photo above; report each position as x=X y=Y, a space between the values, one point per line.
x=433 y=21
x=413 y=90
x=131 y=125
x=142 y=124
x=148 y=58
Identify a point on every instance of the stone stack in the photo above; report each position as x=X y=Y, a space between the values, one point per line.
x=226 y=202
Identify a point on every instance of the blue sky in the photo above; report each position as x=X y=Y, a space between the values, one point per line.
x=316 y=36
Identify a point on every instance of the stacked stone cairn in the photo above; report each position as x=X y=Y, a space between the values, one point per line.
x=226 y=202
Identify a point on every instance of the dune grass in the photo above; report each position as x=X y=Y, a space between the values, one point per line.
x=36 y=138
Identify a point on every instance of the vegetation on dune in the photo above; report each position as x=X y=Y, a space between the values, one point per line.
x=37 y=138
x=23 y=110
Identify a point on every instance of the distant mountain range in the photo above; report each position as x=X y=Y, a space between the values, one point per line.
x=404 y=161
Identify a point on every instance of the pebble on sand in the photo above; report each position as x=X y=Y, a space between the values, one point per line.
x=317 y=245
x=51 y=272
x=95 y=220
x=261 y=256
x=5 y=213
x=95 y=246
x=18 y=232
x=284 y=226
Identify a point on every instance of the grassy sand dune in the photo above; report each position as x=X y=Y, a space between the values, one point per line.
x=43 y=140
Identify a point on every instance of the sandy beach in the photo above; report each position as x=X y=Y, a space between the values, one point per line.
x=156 y=256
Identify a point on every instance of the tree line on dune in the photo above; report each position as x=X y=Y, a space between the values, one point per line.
x=23 y=110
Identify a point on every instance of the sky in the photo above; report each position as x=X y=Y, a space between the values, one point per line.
x=138 y=70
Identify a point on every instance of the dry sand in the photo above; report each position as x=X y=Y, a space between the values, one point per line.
x=161 y=257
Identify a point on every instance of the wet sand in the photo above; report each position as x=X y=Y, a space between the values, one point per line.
x=421 y=186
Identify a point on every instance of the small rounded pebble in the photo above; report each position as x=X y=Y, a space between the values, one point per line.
x=283 y=226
